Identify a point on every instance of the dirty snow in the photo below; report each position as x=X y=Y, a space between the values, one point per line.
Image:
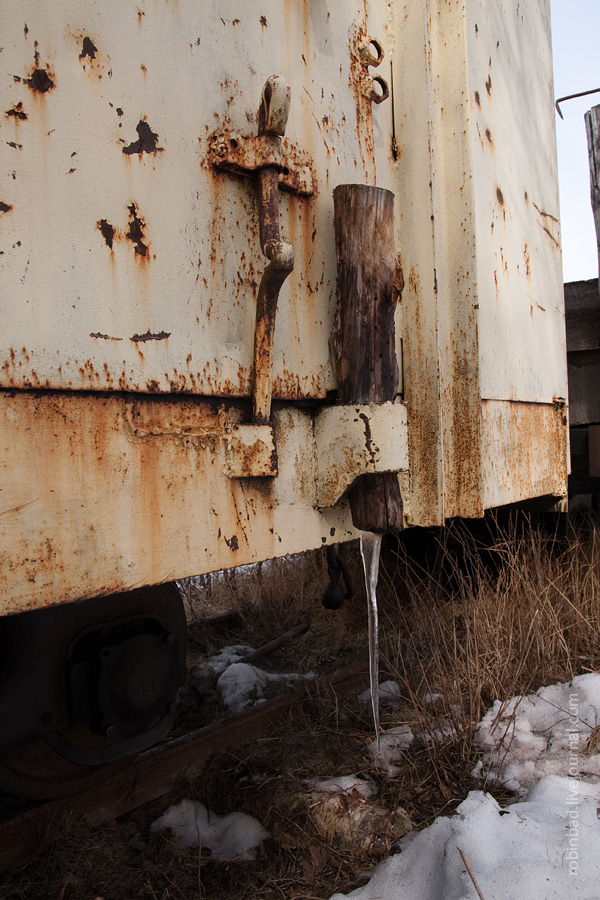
x=242 y=685
x=236 y=836
x=544 y=845
x=546 y=733
x=224 y=658
x=532 y=851
x=345 y=784
x=390 y=749
x=389 y=694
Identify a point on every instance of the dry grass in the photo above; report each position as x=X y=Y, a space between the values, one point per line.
x=523 y=613
x=458 y=630
x=273 y=597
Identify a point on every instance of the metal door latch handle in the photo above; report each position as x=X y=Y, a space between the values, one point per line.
x=264 y=155
x=272 y=120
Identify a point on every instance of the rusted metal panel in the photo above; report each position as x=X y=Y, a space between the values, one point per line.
x=456 y=253
x=129 y=262
x=527 y=451
x=104 y=493
x=482 y=316
x=131 y=256
x=422 y=491
x=353 y=440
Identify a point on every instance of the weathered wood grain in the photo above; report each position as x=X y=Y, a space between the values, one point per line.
x=369 y=284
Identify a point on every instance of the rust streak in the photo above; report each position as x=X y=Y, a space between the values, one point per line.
x=549 y=233
x=544 y=214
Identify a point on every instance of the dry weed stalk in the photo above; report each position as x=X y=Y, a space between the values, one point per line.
x=492 y=625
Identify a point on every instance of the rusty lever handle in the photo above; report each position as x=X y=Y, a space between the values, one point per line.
x=272 y=121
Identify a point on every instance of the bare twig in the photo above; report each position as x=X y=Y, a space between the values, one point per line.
x=471 y=876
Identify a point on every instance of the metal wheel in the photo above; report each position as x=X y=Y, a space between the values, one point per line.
x=37 y=772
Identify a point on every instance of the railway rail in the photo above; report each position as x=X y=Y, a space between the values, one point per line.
x=153 y=773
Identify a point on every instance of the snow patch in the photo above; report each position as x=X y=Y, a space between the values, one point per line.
x=523 y=853
x=392 y=746
x=546 y=733
x=236 y=836
x=241 y=684
x=345 y=784
x=389 y=693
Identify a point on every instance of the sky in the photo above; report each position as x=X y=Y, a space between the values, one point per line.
x=575 y=35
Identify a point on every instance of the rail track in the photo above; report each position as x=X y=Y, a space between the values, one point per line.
x=153 y=773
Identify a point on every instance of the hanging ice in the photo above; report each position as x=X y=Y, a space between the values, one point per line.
x=370 y=548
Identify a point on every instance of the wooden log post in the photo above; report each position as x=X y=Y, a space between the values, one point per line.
x=369 y=283
x=592 y=127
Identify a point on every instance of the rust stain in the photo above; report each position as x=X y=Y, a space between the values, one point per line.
x=477 y=99
x=150 y=336
x=5 y=207
x=544 y=214
x=549 y=234
x=107 y=231
x=359 y=82
x=104 y=337
x=527 y=258
x=17 y=111
x=136 y=232
x=147 y=141
x=40 y=81
x=488 y=85
x=88 y=49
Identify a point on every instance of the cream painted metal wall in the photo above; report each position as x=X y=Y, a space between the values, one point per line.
x=130 y=265
x=138 y=271
x=484 y=345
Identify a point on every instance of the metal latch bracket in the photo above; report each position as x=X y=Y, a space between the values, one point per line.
x=358 y=439
x=250 y=451
x=232 y=152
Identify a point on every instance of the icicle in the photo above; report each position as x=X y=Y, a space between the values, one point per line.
x=370 y=548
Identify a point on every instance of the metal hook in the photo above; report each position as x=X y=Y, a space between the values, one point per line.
x=274 y=106
x=377 y=95
x=572 y=97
